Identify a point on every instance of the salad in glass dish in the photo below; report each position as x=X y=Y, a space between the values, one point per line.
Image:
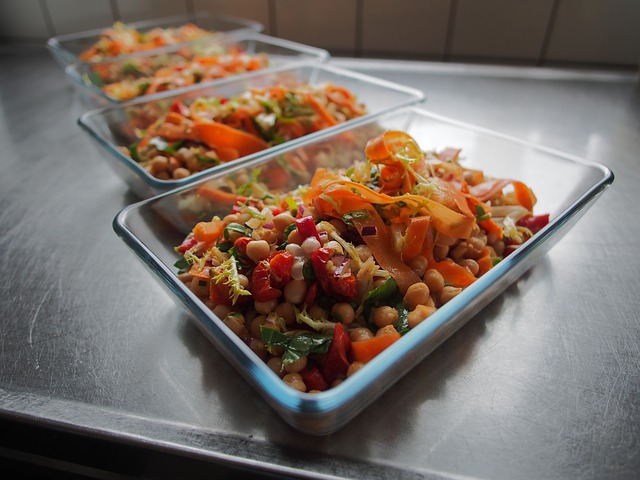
x=318 y=280
x=207 y=131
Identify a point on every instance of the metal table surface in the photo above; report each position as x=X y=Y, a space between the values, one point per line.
x=101 y=374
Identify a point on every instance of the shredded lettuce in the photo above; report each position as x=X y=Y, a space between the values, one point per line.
x=228 y=275
x=318 y=325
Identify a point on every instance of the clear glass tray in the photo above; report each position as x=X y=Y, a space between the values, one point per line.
x=67 y=48
x=111 y=127
x=564 y=185
x=281 y=53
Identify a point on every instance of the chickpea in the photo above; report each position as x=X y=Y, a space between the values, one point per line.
x=359 y=334
x=294 y=249
x=294 y=238
x=471 y=265
x=162 y=175
x=387 y=330
x=235 y=322
x=478 y=243
x=447 y=293
x=310 y=245
x=221 y=311
x=198 y=289
x=258 y=250
x=297 y=269
x=286 y=311
x=459 y=251
x=383 y=316
x=440 y=252
x=444 y=240
x=181 y=172
x=316 y=311
x=259 y=348
x=354 y=367
x=254 y=328
x=294 y=380
x=335 y=247
x=283 y=220
x=295 y=367
x=231 y=218
x=173 y=164
x=498 y=247
x=159 y=164
x=275 y=364
x=434 y=280
x=420 y=313
x=265 y=308
x=379 y=281
x=295 y=291
x=243 y=280
x=419 y=265
x=343 y=312
x=417 y=294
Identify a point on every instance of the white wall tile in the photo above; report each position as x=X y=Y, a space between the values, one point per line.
x=136 y=10
x=597 y=31
x=329 y=24
x=507 y=29
x=69 y=16
x=22 y=19
x=405 y=27
x=256 y=10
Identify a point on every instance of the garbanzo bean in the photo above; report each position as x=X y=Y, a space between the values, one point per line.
x=265 y=308
x=258 y=250
x=296 y=366
x=383 y=316
x=180 y=172
x=354 y=367
x=434 y=280
x=471 y=265
x=419 y=265
x=388 y=330
x=447 y=293
x=282 y=221
x=294 y=380
x=295 y=291
x=418 y=314
x=275 y=364
x=286 y=311
x=417 y=294
x=359 y=334
x=235 y=321
x=343 y=312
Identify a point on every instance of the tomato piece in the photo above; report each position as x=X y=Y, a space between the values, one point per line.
x=186 y=244
x=240 y=245
x=336 y=362
x=313 y=379
x=261 y=288
x=338 y=285
x=307 y=228
x=281 y=264
x=310 y=296
x=535 y=223
x=345 y=286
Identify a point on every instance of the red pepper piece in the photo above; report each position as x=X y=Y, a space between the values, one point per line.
x=178 y=107
x=312 y=293
x=307 y=228
x=281 y=264
x=313 y=379
x=186 y=244
x=336 y=363
x=261 y=288
x=343 y=286
x=535 y=223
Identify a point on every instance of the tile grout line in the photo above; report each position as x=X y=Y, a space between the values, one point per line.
x=450 y=31
x=44 y=9
x=546 y=40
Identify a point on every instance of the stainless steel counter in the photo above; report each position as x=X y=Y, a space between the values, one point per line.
x=543 y=383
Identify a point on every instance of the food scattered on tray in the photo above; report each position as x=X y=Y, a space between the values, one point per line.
x=208 y=131
x=122 y=39
x=318 y=280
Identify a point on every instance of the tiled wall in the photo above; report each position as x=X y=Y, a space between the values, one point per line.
x=534 y=32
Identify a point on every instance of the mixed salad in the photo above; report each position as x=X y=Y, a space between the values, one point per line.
x=136 y=76
x=320 y=279
x=122 y=39
x=208 y=131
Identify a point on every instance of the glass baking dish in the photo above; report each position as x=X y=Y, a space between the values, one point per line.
x=111 y=127
x=153 y=227
x=67 y=48
x=280 y=53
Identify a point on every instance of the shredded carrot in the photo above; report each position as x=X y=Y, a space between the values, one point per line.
x=366 y=350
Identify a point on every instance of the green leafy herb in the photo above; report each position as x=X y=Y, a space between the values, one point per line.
x=161 y=145
x=384 y=294
x=224 y=246
x=307 y=271
x=295 y=346
x=349 y=217
x=205 y=159
x=481 y=214
x=131 y=69
x=402 y=324
x=182 y=265
x=288 y=229
x=133 y=152
x=243 y=230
